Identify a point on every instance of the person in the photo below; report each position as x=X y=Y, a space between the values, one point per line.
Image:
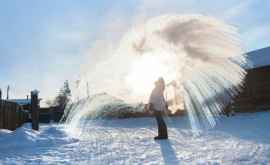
x=158 y=105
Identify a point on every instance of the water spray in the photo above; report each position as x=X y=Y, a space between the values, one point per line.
x=201 y=55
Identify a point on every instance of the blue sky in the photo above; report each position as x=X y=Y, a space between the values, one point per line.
x=43 y=43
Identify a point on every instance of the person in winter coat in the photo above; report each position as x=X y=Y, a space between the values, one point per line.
x=158 y=105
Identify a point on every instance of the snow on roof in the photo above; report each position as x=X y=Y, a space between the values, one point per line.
x=259 y=58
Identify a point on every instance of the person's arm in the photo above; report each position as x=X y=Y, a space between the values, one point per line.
x=149 y=107
x=172 y=83
x=165 y=102
x=150 y=104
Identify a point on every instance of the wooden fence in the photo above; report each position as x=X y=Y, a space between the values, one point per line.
x=12 y=115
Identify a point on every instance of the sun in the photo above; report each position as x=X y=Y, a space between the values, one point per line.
x=144 y=71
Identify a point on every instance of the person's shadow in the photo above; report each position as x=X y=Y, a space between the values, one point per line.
x=168 y=153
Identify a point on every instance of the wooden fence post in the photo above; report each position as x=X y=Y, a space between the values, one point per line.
x=35 y=110
x=1 y=111
x=12 y=118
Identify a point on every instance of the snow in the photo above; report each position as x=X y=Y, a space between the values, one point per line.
x=242 y=139
x=259 y=58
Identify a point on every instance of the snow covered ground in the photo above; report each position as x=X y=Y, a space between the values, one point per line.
x=242 y=139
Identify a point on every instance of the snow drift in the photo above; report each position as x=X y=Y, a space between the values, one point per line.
x=242 y=139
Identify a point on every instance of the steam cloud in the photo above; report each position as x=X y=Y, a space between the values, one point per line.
x=201 y=55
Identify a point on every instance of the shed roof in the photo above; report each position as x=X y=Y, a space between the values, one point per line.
x=259 y=58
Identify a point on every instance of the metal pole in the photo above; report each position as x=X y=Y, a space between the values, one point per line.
x=8 y=88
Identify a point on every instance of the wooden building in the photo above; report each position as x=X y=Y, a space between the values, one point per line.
x=256 y=93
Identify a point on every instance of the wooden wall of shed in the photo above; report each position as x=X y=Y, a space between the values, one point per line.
x=256 y=93
x=45 y=115
x=11 y=115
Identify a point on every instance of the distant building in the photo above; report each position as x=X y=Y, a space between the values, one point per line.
x=25 y=103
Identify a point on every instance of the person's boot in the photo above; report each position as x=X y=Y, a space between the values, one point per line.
x=161 y=137
x=157 y=138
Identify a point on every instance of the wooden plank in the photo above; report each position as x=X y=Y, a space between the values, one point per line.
x=13 y=114
x=1 y=114
x=5 y=116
